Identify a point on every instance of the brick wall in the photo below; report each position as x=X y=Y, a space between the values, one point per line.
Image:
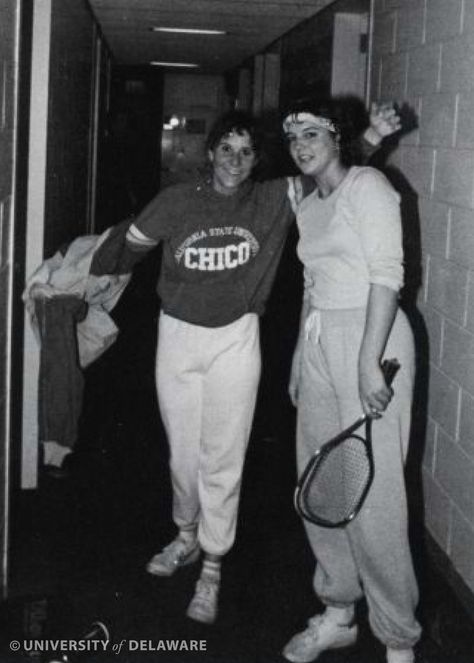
x=423 y=55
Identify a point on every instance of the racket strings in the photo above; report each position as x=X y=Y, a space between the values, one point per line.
x=338 y=481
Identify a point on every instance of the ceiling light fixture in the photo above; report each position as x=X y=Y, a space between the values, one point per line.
x=189 y=31
x=188 y=65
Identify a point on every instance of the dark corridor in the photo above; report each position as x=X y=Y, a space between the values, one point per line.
x=80 y=544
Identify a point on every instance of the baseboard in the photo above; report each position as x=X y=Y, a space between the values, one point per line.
x=441 y=562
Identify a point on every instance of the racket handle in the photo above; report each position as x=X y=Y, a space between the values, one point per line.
x=390 y=368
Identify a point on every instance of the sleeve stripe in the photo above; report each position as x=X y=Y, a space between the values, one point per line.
x=136 y=237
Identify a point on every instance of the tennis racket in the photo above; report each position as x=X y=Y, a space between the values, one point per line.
x=336 y=480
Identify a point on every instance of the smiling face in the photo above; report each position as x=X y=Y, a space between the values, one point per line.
x=313 y=148
x=232 y=161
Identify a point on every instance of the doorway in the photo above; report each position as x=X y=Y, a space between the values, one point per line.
x=129 y=152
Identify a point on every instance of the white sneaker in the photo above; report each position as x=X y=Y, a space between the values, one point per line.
x=400 y=655
x=203 y=606
x=177 y=554
x=321 y=633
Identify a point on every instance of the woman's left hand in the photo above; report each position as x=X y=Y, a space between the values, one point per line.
x=373 y=391
x=384 y=119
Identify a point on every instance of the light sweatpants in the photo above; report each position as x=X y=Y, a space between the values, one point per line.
x=207 y=380
x=371 y=555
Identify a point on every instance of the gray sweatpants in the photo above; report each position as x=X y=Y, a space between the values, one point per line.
x=207 y=380
x=370 y=556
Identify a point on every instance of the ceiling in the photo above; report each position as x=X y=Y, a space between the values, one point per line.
x=251 y=26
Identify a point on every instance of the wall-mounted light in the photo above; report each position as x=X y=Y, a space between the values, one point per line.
x=188 y=31
x=173 y=122
x=188 y=65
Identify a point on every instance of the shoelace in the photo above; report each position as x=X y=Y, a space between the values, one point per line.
x=177 y=551
x=314 y=624
x=206 y=590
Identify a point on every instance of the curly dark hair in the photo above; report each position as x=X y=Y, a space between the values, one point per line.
x=238 y=122
x=348 y=115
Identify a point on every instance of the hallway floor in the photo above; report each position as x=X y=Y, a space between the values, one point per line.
x=80 y=545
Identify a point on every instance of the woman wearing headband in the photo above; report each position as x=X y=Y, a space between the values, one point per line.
x=351 y=248
x=222 y=239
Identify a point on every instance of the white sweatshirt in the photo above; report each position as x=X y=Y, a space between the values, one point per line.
x=350 y=240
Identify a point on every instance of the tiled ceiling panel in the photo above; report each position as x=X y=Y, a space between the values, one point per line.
x=251 y=25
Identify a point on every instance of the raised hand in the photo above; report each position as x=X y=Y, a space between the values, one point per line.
x=384 y=119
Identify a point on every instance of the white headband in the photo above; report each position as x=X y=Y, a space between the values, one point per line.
x=316 y=120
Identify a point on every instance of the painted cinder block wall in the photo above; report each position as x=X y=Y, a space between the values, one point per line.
x=423 y=55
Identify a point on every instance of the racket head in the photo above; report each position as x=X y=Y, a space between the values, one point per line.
x=336 y=481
